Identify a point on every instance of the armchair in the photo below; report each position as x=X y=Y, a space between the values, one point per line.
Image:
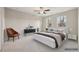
x=11 y=33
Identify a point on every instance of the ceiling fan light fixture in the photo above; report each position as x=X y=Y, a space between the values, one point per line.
x=42 y=10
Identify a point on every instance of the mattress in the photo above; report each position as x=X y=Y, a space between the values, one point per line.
x=47 y=40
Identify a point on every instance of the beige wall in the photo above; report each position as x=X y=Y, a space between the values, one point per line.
x=72 y=20
x=1 y=26
x=19 y=20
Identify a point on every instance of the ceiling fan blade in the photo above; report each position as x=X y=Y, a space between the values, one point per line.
x=44 y=12
x=47 y=10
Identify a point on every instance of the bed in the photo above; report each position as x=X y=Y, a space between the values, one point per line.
x=51 y=39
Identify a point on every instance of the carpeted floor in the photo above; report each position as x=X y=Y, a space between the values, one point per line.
x=27 y=44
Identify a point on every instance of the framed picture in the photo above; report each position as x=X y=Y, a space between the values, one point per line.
x=61 y=21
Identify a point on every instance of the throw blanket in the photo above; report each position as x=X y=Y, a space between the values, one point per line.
x=61 y=34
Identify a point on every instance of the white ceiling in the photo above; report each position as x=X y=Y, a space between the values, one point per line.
x=53 y=10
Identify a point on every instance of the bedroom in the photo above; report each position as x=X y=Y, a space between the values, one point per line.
x=42 y=21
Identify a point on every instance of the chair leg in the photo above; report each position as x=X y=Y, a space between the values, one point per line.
x=8 y=38
x=18 y=36
x=13 y=38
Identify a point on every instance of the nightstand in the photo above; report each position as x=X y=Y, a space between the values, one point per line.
x=73 y=37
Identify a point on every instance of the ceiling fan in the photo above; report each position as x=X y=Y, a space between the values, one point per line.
x=42 y=10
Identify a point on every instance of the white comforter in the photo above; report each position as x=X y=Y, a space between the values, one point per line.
x=48 y=41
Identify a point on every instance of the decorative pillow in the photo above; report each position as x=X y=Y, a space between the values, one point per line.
x=61 y=30
x=52 y=30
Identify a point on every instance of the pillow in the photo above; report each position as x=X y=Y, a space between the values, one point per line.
x=61 y=30
x=57 y=30
x=52 y=30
